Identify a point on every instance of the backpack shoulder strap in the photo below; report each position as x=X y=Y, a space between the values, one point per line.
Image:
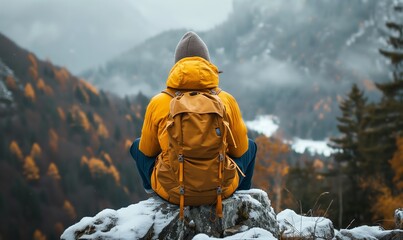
x=171 y=92
x=215 y=91
x=218 y=90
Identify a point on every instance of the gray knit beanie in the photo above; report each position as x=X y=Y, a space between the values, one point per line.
x=191 y=45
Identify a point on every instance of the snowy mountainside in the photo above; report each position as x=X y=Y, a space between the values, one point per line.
x=5 y=94
x=7 y=102
x=294 y=61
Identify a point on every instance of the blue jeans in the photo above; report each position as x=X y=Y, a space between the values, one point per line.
x=246 y=163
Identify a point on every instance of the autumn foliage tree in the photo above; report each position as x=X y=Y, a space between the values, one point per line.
x=390 y=198
x=61 y=75
x=16 y=150
x=61 y=113
x=69 y=209
x=42 y=141
x=397 y=165
x=53 y=171
x=30 y=169
x=11 y=83
x=33 y=69
x=38 y=235
x=29 y=92
x=271 y=167
x=78 y=119
x=36 y=151
x=53 y=140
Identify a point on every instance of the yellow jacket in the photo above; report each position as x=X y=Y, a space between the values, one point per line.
x=191 y=73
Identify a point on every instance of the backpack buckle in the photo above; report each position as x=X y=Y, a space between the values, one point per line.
x=221 y=158
x=180 y=158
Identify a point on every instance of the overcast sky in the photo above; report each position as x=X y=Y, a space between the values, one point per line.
x=80 y=34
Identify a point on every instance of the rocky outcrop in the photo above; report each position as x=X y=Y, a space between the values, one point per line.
x=368 y=233
x=156 y=219
x=247 y=215
x=294 y=226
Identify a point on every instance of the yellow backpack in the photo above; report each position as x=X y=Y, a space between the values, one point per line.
x=196 y=169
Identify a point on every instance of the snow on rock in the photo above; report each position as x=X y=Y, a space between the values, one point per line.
x=368 y=233
x=265 y=124
x=293 y=225
x=154 y=218
x=399 y=218
x=132 y=222
x=254 y=233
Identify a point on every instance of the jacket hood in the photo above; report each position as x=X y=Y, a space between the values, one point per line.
x=193 y=73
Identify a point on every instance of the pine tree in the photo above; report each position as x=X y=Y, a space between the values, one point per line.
x=385 y=121
x=351 y=127
x=349 y=158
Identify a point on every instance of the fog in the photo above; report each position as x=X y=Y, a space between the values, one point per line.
x=83 y=34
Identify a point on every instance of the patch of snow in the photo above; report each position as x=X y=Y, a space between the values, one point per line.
x=253 y=191
x=314 y=147
x=294 y=225
x=5 y=94
x=245 y=194
x=264 y=124
x=132 y=222
x=254 y=214
x=268 y=125
x=360 y=32
x=243 y=228
x=253 y=233
x=366 y=232
x=5 y=70
x=399 y=216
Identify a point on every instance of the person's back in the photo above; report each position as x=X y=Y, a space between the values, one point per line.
x=192 y=72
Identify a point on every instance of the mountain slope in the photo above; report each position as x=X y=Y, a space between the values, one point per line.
x=291 y=60
x=63 y=149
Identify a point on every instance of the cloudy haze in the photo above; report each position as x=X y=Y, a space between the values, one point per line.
x=82 y=34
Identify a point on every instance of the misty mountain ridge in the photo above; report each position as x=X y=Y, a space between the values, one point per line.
x=295 y=61
x=75 y=33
